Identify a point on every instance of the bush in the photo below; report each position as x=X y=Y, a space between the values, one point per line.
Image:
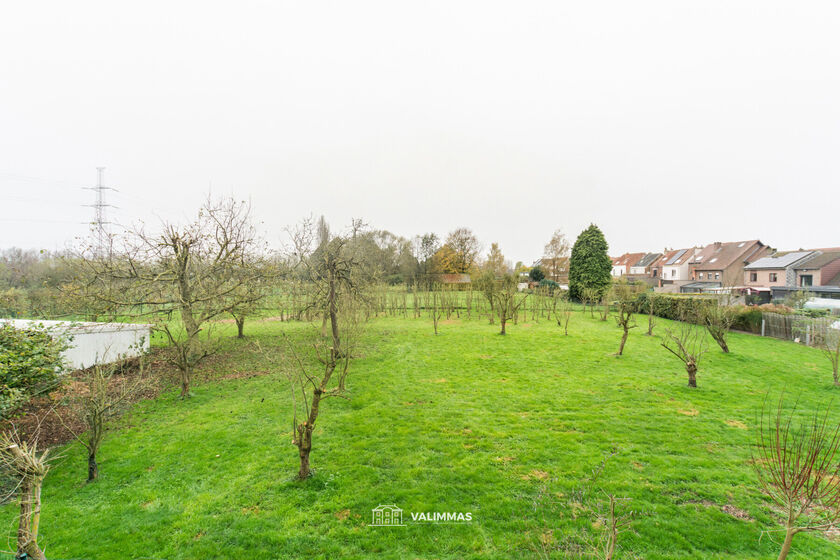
x=30 y=364
x=748 y=319
x=676 y=308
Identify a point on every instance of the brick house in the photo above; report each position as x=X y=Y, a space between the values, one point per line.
x=823 y=269
x=778 y=269
x=722 y=264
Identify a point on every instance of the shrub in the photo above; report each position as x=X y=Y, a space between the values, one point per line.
x=747 y=319
x=30 y=364
x=676 y=308
x=536 y=274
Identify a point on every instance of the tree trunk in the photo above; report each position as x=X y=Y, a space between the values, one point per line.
x=503 y=321
x=93 y=468
x=27 y=537
x=691 y=368
x=240 y=327
x=623 y=340
x=185 y=383
x=786 y=545
x=721 y=340
x=304 y=448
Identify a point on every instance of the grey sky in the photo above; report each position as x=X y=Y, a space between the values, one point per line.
x=666 y=123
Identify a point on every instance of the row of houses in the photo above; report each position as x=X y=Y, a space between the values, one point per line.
x=751 y=267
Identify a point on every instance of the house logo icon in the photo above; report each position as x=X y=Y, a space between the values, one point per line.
x=387 y=515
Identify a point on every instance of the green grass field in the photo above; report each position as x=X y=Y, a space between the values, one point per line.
x=507 y=428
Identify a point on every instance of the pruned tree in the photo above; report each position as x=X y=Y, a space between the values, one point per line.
x=626 y=295
x=718 y=319
x=28 y=467
x=507 y=300
x=688 y=343
x=589 y=296
x=107 y=394
x=251 y=295
x=652 y=300
x=337 y=290
x=310 y=385
x=183 y=277
x=798 y=467
x=562 y=308
x=436 y=310
x=486 y=282
x=605 y=306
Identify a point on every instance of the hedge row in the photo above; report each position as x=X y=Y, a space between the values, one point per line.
x=691 y=308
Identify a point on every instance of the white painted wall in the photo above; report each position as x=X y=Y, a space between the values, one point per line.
x=92 y=343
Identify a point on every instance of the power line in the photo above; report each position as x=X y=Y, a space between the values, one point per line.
x=100 y=221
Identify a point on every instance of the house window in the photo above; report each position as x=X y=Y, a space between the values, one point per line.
x=673 y=273
x=806 y=280
x=717 y=275
x=774 y=277
x=753 y=276
x=701 y=276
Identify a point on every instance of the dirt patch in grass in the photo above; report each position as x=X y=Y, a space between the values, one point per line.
x=52 y=420
x=689 y=412
x=728 y=509
x=736 y=424
x=735 y=512
x=505 y=460
x=342 y=515
x=535 y=474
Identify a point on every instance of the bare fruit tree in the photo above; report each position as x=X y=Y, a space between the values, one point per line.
x=28 y=466
x=718 y=319
x=625 y=295
x=562 y=308
x=184 y=277
x=507 y=300
x=652 y=300
x=798 y=467
x=589 y=296
x=688 y=343
x=336 y=291
x=436 y=310
x=105 y=396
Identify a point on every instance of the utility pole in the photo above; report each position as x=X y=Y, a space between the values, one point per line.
x=100 y=221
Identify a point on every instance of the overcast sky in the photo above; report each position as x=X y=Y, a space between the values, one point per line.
x=666 y=123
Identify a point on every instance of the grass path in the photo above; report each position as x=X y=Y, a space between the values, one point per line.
x=465 y=421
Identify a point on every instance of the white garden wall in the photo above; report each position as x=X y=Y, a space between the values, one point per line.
x=92 y=343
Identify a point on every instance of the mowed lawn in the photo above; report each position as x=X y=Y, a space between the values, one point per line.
x=507 y=428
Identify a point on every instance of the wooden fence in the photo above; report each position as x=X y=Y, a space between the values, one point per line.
x=798 y=328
